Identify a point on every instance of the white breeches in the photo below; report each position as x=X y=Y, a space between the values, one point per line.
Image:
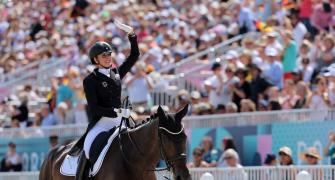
x=104 y=124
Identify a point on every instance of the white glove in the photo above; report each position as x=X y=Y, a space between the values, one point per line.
x=122 y=112
x=123 y=27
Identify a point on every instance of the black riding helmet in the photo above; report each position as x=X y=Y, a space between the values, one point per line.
x=98 y=48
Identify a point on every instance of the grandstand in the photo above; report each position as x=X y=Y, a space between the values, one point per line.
x=259 y=73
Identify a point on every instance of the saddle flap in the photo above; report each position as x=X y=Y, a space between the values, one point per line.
x=70 y=163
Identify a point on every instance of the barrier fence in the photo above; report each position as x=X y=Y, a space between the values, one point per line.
x=247 y=173
x=205 y=121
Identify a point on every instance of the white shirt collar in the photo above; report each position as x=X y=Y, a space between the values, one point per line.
x=104 y=71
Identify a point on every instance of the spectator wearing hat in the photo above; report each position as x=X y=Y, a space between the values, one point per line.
x=311 y=156
x=233 y=58
x=285 y=156
x=197 y=159
x=258 y=83
x=12 y=160
x=241 y=90
x=290 y=55
x=270 y=160
x=274 y=75
x=214 y=85
x=272 y=42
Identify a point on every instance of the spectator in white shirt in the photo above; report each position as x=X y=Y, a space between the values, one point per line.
x=139 y=86
x=213 y=85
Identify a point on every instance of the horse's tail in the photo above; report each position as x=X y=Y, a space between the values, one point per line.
x=46 y=170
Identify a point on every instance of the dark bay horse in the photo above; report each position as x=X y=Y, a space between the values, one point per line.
x=162 y=137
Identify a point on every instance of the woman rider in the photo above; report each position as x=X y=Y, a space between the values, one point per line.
x=102 y=89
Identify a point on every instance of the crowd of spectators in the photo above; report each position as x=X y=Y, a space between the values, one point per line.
x=288 y=66
x=206 y=155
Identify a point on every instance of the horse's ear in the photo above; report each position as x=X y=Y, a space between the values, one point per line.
x=180 y=114
x=160 y=111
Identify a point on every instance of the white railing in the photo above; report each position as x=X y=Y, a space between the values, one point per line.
x=206 y=121
x=36 y=73
x=246 y=173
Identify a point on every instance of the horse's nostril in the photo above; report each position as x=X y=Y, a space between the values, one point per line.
x=178 y=178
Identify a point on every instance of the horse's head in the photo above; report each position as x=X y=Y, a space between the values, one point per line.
x=173 y=142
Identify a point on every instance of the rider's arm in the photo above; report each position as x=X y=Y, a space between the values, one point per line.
x=132 y=58
x=92 y=100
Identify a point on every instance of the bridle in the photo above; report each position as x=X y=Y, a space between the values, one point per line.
x=180 y=155
x=168 y=161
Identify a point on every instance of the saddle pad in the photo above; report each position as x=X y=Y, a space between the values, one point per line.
x=70 y=163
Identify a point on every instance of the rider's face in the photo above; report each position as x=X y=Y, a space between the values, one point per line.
x=104 y=59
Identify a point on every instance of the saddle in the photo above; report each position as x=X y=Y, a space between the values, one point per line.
x=97 y=153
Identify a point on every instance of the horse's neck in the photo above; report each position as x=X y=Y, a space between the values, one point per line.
x=146 y=138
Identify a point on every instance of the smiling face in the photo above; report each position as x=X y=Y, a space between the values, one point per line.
x=104 y=59
x=173 y=142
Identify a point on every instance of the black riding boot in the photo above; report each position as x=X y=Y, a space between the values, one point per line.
x=82 y=168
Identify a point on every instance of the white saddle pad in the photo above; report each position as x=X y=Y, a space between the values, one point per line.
x=70 y=163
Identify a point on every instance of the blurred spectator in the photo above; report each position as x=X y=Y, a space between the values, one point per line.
x=195 y=100
x=321 y=16
x=288 y=95
x=49 y=118
x=274 y=105
x=139 y=86
x=221 y=109
x=258 y=83
x=274 y=75
x=325 y=51
x=303 y=94
x=21 y=112
x=270 y=160
x=214 y=85
x=311 y=156
x=290 y=54
x=330 y=148
x=12 y=160
x=211 y=155
x=228 y=143
x=299 y=29
x=285 y=156
x=247 y=105
x=197 y=159
x=320 y=98
x=231 y=158
x=53 y=141
x=241 y=90
x=231 y=108
x=207 y=176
